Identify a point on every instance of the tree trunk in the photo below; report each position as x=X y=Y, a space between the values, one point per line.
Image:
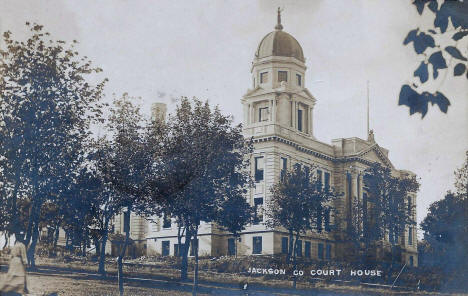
x=32 y=248
x=290 y=247
x=56 y=236
x=6 y=239
x=184 y=265
x=195 y=274
x=235 y=246
x=120 y=259
x=180 y=233
x=102 y=257
x=295 y=261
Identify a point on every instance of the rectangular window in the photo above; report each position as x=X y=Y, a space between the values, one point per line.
x=411 y=261
x=166 y=221
x=263 y=114
x=319 y=177
x=299 y=120
x=193 y=246
x=299 y=248
x=257 y=245
x=410 y=207
x=282 y=76
x=178 y=249
x=284 y=245
x=410 y=236
x=259 y=164
x=284 y=166
x=327 y=220
x=264 y=77
x=231 y=246
x=126 y=221
x=320 y=251
x=299 y=79
x=328 y=252
x=165 y=248
x=258 y=208
x=327 y=180
x=307 y=249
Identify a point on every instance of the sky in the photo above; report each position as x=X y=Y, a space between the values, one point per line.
x=161 y=50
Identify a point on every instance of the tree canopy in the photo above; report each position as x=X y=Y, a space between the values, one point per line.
x=440 y=47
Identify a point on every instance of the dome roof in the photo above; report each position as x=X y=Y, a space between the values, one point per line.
x=279 y=43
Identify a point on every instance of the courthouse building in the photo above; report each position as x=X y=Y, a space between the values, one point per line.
x=278 y=114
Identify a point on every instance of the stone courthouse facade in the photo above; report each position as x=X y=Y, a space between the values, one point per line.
x=278 y=115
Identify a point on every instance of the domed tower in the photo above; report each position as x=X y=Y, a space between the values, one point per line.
x=279 y=101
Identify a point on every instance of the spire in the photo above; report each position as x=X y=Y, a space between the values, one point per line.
x=279 y=26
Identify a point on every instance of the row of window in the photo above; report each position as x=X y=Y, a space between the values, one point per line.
x=323 y=251
x=165 y=248
x=282 y=76
x=259 y=164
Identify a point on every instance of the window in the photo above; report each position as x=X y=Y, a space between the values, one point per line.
x=264 y=77
x=259 y=169
x=299 y=248
x=319 y=177
x=126 y=221
x=263 y=114
x=231 y=246
x=284 y=166
x=282 y=76
x=410 y=207
x=410 y=236
x=165 y=248
x=327 y=220
x=284 y=245
x=258 y=208
x=320 y=251
x=178 y=249
x=194 y=245
x=327 y=181
x=166 y=221
x=411 y=261
x=328 y=252
x=307 y=249
x=257 y=245
x=299 y=120
x=299 y=79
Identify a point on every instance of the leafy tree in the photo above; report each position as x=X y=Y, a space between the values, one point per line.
x=46 y=110
x=126 y=161
x=298 y=203
x=436 y=46
x=387 y=210
x=205 y=169
x=446 y=234
x=235 y=214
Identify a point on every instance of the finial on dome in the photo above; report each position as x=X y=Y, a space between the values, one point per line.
x=279 y=26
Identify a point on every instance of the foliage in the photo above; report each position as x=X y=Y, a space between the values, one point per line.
x=387 y=210
x=46 y=110
x=124 y=162
x=298 y=203
x=438 y=50
x=204 y=168
x=446 y=234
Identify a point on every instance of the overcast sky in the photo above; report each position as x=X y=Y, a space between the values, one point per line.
x=163 y=49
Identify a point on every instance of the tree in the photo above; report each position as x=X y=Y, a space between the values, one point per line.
x=46 y=110
x=126 y=162
x=298 y=203
x=387 y=209
x=235 y=214
x=436 y=45
x=204 y=167
x=446 y=234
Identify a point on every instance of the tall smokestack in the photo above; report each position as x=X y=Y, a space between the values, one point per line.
x=158 y=112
